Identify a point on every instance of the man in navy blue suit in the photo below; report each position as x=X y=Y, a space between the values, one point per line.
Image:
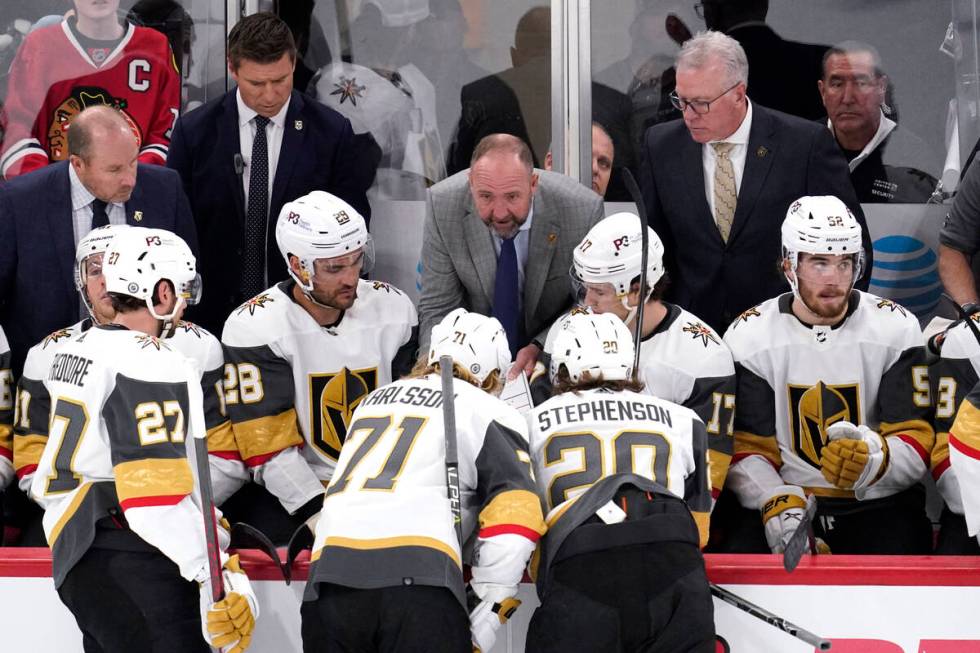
x=45 y=213
x=719 y=182
x=245 y=154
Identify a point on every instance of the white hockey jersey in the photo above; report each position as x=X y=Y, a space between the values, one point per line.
x=686 y=362
x=291 y=385
x=123 y=404
x=964 y=457
x=795 y=380
x=199 y=346
x=6 y=414
x=951 y=379
x=386 y=516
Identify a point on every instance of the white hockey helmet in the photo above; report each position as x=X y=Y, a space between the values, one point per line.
x=137 y=258
x=597 y=344
x=612 y=252
x=320 y=225
x=821 y=224
x=475 y=342
x=94 y=242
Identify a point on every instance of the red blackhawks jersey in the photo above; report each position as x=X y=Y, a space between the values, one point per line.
x=53 y=78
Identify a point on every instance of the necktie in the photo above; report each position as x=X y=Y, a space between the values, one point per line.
x=505 y=294
x=253 y=258
x=99 y=216
x=725 y=193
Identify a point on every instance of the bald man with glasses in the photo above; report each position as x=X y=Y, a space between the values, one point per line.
x=718 y=183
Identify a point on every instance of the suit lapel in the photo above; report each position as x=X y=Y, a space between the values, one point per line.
x=758 y=160
x=479 y=245
x=135 y=207
x=228 y=145
x=692 y=160
x=292 y=144
x=61 y=226
x=545 y=228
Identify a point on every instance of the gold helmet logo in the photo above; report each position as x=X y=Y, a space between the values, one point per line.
x=341 y=395
x=819 y=407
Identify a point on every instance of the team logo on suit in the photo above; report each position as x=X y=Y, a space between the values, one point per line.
x=813 y=409
x=333 y=398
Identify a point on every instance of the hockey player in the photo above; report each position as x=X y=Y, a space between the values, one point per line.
x=964 y=458
x=622 y=474
x=125 y=530
x=87 y=59
x=228 y=472
x=833 y=400
x=387 y=571
x=305 y=352
x=682 y=359
x=7 y=394
x=951 y=378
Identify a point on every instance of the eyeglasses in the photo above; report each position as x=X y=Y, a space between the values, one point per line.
x=700 y=107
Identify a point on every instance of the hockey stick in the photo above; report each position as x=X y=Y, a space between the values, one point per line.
x=301 y=540
x=964 y=315
x=452 y=456
x=634 y=192
x=206 y=494
x=246 y=536
x=802 y=538
x=777 y=622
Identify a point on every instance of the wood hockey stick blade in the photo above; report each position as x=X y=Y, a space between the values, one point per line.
x=802 y=536
x=452 y=458
x=637 y=196
x=210 y=519
x=762 y=614
x=246 y=536
x=301 y=540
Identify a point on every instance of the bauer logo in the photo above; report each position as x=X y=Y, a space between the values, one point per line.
x=905 y=271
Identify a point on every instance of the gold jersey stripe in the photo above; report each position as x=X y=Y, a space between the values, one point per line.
x=703 y=521
x=153 y=477
x=766 y=445
x=918 y=429
x=267 y=435
x=518 y=507
x=966 y=428
x=388 y=543
x=718 y=464
x=222 y=438
x=940 y=452
x=28 y=449
x=69 y=512
x=6 y=437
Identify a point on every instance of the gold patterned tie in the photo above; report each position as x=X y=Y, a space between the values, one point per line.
x=725 y=193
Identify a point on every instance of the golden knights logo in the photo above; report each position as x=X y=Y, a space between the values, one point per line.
x=55 y=337
x=813 y=408
x=744 y=317
x=256 y=302
x=333 y=398
x=699 y=330
x=892 y=306
x=189 y=327
x=149 y=341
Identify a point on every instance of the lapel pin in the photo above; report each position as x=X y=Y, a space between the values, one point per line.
x=552 y=237
x=298 y=125
x=762 y=151
x=138 y=216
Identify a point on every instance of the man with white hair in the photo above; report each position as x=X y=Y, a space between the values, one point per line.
x=720 y=181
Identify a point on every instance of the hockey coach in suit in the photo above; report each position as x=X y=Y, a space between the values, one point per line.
x=45 y=213
x=718 y=183
x=498 y=240
x=245 y=154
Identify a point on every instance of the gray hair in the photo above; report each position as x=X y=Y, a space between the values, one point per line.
x=847 y=48
x=700 y=49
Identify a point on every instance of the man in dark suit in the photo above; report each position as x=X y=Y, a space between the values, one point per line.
x=45 y=213
x=245 y=154
x=498 y=240
x=782 y=74
x=718 y=184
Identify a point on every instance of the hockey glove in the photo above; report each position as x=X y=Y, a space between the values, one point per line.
x=854 y=458
x=782 y=514
x=228 y=624
x=487 y=618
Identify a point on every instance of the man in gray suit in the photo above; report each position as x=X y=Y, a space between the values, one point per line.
x=498 y=240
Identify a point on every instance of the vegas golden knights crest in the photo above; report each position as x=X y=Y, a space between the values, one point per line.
x=333 y=398
x=813 y=408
